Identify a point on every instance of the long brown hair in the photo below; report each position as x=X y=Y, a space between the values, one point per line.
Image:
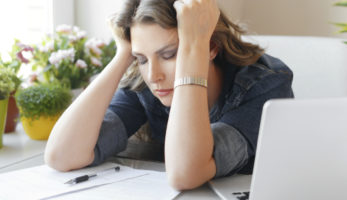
x=227 y=35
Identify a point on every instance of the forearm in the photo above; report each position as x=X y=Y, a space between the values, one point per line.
x=189 y=140
x=73 y=138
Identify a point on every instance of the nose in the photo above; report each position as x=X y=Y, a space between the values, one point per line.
x=154 y=72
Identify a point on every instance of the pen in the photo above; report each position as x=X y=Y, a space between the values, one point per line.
x=88 y=176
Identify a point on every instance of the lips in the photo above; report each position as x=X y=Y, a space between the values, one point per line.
x=163 y=92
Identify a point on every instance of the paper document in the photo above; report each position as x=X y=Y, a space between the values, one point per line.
x=42 y=182
x=152 y=186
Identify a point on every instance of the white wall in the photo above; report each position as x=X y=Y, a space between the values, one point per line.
x=269 y=17
x=293 y=17
x=60 y=12
x=91 y=16
x=22 y=19
x=232 y=8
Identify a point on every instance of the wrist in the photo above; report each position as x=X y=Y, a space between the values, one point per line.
x=123 y=57
x=192 y=60
x=193 y=45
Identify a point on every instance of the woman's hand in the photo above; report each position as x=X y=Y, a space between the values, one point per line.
x=123 y=45
x=196 y=19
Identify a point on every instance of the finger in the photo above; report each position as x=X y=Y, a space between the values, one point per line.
x=178 y=4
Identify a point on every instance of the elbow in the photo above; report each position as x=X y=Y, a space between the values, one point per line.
x=190 y=176
x=64 y=163
x=184 y=180
x=52 y=160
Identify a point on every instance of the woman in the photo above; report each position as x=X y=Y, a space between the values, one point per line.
x=203 y=93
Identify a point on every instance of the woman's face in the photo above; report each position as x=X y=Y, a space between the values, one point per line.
x=155 y=49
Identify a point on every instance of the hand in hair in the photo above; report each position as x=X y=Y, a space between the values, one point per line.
x=196 y=19
x=123 y=44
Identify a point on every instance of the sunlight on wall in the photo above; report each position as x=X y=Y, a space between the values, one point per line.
x=25 y=20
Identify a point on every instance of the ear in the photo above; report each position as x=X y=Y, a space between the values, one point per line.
x=213 y=50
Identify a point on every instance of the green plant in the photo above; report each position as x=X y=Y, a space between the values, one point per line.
x=15 y=60
x=43 y=100
x=7 y=82
x=70 y=57
x=342 y=26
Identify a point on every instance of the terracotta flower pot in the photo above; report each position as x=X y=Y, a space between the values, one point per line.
x=3 y=111
x=39 y=129
x=12 y=114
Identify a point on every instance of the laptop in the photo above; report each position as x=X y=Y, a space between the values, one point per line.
x=301 y=154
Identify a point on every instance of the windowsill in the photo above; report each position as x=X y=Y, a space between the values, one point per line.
x=17 y=148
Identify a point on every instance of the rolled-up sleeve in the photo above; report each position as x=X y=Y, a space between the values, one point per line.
x=112 y=139
x=124 y=116
x=236 y=132
x=230 y=152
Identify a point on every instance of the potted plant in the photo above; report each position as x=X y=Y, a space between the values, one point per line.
x=69 y=57
x=14 y=61
x=40 y=107
x=7 y=85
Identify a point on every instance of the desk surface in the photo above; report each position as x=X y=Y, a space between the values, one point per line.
x=20 y=152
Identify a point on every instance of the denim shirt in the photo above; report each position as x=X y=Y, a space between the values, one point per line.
x=234 y=118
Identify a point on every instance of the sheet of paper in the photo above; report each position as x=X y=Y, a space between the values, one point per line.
x=41 y=182
x=152 y=186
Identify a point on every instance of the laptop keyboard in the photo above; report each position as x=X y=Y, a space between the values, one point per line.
x=241 y=195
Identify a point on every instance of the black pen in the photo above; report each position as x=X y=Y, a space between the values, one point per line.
x=88 y=176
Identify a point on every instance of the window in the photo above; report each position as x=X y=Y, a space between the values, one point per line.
x=28 y=20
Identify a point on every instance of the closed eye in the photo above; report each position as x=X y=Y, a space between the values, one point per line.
x=169 y=54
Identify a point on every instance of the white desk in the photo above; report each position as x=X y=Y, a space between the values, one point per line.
x=19 y=152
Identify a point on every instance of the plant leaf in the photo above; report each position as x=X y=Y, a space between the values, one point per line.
x=341 y=3
x=341 y=24
x=343 y=30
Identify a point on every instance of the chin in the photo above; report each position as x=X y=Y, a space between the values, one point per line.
x=166 y=101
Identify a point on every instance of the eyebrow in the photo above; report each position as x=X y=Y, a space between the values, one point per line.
x=158 y=51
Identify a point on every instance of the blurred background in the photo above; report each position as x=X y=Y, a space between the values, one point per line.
x=28 y=20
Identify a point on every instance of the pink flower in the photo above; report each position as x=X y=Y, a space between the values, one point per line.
x=94 y=46
x=64 y=28
x=47 y=47
x=57 y=57
x=96 y=62
x=81 y=64
x=72 y=38
x=21 y=57
x=81 y=34
x=25 y=48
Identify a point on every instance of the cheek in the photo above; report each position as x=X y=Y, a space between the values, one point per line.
x=143 y=72
x=169 y=68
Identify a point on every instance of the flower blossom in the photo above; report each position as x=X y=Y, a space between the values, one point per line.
x=75 y=29
x=57 y=57
x=94 y=46
x=81 y=34
x=72 y=38
x=81 y=64
x=47 y=47
x=96 y=62
x=24 y=48
x=64 y=28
